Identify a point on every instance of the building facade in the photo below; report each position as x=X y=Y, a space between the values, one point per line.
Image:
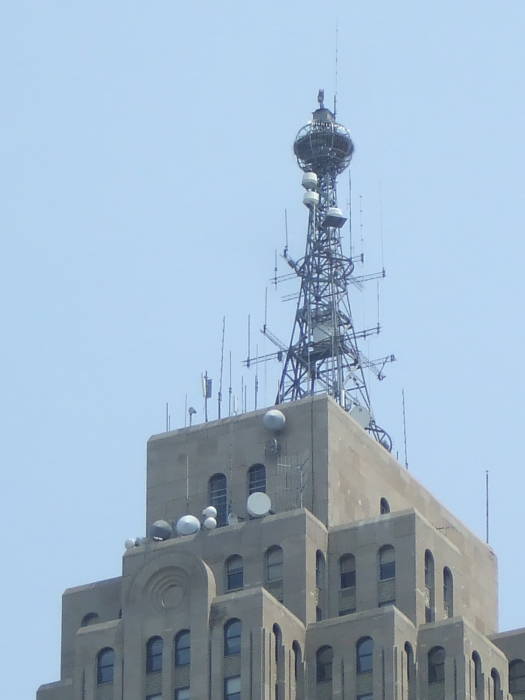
x=357 y=584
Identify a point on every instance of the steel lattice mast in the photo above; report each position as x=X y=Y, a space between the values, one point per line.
x=323 y=355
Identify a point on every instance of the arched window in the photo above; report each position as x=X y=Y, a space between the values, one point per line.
x=517 y=679
x=364 y=652
x=234 y=573
x=320 y=570
x=387 y=563
x=323 y=661
x=297 y=659
x=429 y=587
x=89 y=619
x=496 y=685
x=448 y=592
x=410 y=669
x=256 y=478
x=154 y=654
x=218 y=497
x=384 y=508
x=182 y=648
x=232 y=637
x=274 y=564
x=478 y=681
x=436 y=665
x=347 y=571
x=105 y=665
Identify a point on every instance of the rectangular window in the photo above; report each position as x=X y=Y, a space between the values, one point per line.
x=347 y=579
x=348 y=611
x=232 y=688
x=182 y=694
x=235 y=579
x=387 y=570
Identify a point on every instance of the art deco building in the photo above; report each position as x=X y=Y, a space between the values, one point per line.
x=347 y=581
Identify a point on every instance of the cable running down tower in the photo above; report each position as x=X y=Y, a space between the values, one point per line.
x=323 y=355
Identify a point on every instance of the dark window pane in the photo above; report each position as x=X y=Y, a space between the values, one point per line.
x=218 y=497
x=387 y=570
x=232 y=637
x=436 y=665
x=154 y=655
x=234 y=573
x=257 y=478
x=105 y=664
x=324 y=660
x=348 y=579
x=364 y=655
x=183 y=648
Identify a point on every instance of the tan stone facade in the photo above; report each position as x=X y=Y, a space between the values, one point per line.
x=358 y=585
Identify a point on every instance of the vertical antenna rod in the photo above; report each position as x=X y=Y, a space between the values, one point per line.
x=405 y=428
x=487 y=505
x=219 y=394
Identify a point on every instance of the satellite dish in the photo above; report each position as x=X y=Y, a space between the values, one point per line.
x=210 y=523
x=210 y=512
x=129 y=543
x=361 y=415
x=274 y=420
x=160 y=530
x=258 y=504
x=188 y=525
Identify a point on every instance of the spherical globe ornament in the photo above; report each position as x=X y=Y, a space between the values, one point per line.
x=210 y=512
x=160 y=530
x=323 y=146
x=274 y=420
x=188 y=525
x=210 y=523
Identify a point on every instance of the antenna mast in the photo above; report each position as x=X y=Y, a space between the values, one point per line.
x=323 y=354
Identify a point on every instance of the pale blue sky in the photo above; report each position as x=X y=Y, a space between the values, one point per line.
x=145 y=166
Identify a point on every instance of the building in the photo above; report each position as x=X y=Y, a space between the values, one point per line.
x=352 y=583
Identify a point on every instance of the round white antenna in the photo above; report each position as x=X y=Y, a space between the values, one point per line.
x=210 y=523
x=274 y=420
x=210 y=512
x=160 y=530
x=129 y=543
x=188 y=525
x=258 y=504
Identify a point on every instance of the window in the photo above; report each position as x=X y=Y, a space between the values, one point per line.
x=324 y=659
x=517 y=679
x=232 y=688
x=410 y=671
x=182 y=694
x=232 y=637
x=183 y=648
x=347 y=571
x=218 y=497
x=234 y=572
x=319 y=569
x=274 y=564
x=387 y=563
x=105 y=664
x=496 y=684
x=364 y=652
x=297 y=659
x=429 y=587
x=157 y=696
x=89 y=619
x=448 y=592
x=384 y=508
x=436 y=665
x=366 y=696
x=256 y=478
x=154 y=655
x=478 y=681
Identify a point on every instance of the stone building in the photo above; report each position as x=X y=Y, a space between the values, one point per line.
x=357 y=584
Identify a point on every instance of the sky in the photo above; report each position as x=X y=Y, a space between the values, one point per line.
x=146 y=163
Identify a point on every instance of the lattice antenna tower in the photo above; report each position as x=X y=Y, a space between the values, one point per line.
x=323 y=353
